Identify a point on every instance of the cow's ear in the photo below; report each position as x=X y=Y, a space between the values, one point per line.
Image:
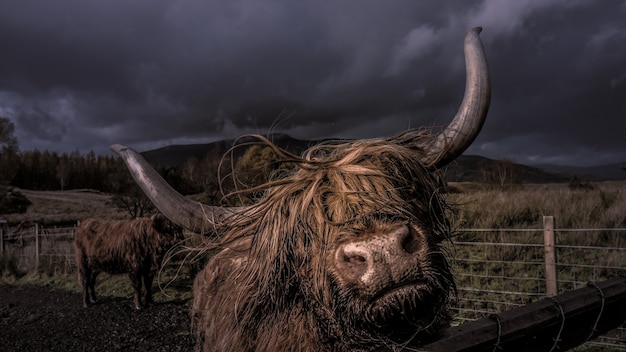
x=158 y=221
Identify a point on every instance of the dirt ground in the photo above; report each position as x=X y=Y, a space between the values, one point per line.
x=35 y=318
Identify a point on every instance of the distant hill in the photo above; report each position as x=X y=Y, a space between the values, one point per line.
x=175 y=155
x=466 y=168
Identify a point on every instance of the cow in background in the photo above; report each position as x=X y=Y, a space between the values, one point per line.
x=135 y=247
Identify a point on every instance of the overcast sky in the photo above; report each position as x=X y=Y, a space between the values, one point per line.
x=84 y=74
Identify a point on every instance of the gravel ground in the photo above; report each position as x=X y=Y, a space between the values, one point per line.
x=35 y=318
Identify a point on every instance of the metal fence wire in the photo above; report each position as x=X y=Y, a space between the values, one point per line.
x=27 y=246
x=501 y=269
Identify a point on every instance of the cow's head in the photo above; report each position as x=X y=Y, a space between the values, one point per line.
x=162 y=224
x=354 y=231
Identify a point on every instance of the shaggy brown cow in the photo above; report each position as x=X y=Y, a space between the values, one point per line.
x=136 y=247
x=341 y=254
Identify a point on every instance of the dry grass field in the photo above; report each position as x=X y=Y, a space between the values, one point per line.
x=524 y=205
x=65 y=207
x=589 y=230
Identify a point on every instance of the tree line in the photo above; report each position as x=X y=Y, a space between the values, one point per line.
x=51 y=171
x=209 y=178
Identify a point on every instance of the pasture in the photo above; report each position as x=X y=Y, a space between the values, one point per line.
x=497 y=251
x=499 y=245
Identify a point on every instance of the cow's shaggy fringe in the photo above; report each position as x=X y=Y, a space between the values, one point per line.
x=273 y=288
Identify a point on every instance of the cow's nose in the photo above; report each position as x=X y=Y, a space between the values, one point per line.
x=380 y=258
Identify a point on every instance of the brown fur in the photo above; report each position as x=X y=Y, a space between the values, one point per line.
x=273 y=285
x=135 y=247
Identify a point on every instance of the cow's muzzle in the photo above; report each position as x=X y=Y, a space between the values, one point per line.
x=383 y=260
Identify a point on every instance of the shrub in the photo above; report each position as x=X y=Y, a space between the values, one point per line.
x=576 y=183
x=12 y=201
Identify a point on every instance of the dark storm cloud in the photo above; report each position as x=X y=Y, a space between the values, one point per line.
x=85 y=74
x=558 y=87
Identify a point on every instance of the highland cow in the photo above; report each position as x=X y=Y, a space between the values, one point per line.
x=135 y=247
x=343 y=252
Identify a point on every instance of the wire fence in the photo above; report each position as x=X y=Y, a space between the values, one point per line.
x=28 y=245
x=501 y=269
x=495 y=269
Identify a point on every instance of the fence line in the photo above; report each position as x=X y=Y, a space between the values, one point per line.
x=496 y=269
x=500 y=229
x=500 y=269
x=27 y=246
x=560 y=322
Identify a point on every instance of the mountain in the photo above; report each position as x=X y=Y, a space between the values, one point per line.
x=466 y=168
x=175 y=155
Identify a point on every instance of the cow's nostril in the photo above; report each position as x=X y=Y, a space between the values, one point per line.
x=410 y=243
x=355 y=259
x=352 y=262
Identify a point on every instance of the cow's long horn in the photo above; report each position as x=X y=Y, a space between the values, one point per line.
x=194 y=216
x=469 y=119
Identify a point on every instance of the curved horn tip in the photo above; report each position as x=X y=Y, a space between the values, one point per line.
x=118 y=148
x=468 y=121
x=476 y=30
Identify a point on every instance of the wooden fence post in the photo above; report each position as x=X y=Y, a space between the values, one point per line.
x=36 y=246
x=2 y=241
x=550 y=256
